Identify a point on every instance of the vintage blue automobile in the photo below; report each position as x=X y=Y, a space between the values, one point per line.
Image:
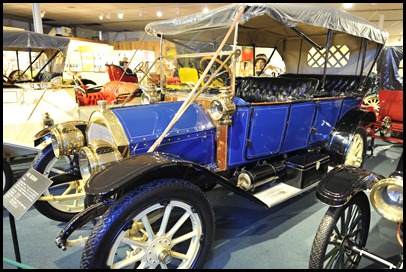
x=146 y=170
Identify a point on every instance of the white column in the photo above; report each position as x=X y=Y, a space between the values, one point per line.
x=381 y=20
x=36 y=15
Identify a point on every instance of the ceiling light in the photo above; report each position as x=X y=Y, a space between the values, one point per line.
x=347 y=5
x=141 y=13
x=120 y=15
x=205 y=10
x=108 y=16
x=101 y=17
x=178 y=12
x=42 y=14
x=159 y=14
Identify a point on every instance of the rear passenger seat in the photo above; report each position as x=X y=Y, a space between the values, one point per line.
x=113 y=91
x=335 y=85
x=273 y=89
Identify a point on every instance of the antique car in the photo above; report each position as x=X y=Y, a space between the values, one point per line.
x=343 y=232
x=387 y=103
x=388 y=76
x=143 y=172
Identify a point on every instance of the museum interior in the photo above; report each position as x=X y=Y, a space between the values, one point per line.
x=202 y=135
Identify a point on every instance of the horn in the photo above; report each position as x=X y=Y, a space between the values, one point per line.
x=387 y=198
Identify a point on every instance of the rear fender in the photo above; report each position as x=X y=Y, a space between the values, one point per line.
x=338 y=186
x=45 y=134
x=131 y=172
x=345 y=127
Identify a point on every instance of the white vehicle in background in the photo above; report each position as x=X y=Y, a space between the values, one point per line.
x=35 y=94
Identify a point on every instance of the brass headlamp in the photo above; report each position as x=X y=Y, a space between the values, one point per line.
x=223 y=108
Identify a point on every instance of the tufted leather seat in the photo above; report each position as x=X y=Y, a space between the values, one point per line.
x=116 y=73
x=113 y=92
x=272 y=89
x=335 y=85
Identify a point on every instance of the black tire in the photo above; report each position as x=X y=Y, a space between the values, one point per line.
x=173 y=197
x=331 y=247
x=8 y=178
x=47 y=164
x=357 y=149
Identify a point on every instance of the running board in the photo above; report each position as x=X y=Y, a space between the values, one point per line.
x=280 y=192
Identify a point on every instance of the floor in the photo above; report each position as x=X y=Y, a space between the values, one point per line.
x=247 y=235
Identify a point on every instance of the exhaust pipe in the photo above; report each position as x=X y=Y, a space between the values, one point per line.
x=250 y=179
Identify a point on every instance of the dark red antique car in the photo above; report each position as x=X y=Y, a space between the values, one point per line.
x=388 y=104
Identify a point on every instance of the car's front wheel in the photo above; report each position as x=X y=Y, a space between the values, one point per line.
x=65 y=197
x=340 y=229
x=7 y=176
x=167 y=223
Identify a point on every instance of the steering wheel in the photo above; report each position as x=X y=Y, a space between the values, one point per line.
x=13 y=76
x=78 y=83
x=138 y=67
x=222 y=75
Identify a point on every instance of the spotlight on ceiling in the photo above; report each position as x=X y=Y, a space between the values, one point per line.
x=120 y=15
x=42 y=14
x=159 y=14
x=347 y=5
x=101 y=17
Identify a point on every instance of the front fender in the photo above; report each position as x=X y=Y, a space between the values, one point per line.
x=80 y=219
x=121 y=177
x=45 y=133
x=345 y=127
x=338 y=186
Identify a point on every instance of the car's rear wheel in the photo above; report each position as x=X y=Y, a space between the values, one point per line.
x=372 y=100
x=356 y=149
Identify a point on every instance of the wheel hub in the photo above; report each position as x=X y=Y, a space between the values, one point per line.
x=159 y=252
x=347 y=245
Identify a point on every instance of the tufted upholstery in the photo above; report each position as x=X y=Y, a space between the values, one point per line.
x=116 y=72
x=335 y=85
x=272 y=89
x=113 y=91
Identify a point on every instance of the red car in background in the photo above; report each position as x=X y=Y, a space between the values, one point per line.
x=388 y=102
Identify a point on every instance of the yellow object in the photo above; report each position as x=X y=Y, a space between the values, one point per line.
x=188 y=75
